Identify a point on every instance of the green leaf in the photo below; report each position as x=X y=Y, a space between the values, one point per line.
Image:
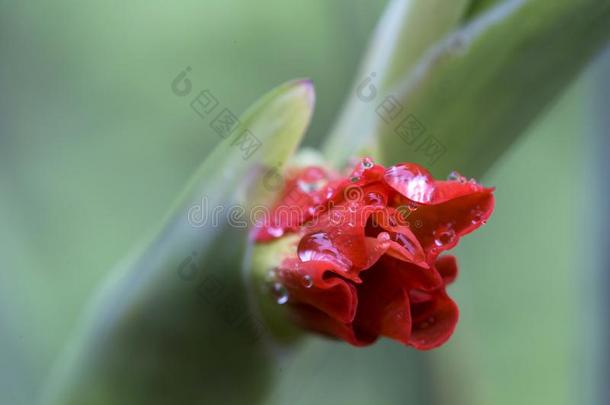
x=478 y=6
x=406 y=30
x=173 y=323
x=480 y=88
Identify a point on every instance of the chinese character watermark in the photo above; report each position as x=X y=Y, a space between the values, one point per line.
x=407 y=126
x=225 y=124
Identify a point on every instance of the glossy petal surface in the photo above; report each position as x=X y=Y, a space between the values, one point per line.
x=367 y=261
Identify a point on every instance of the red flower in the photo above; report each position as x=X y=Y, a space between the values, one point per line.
x=367 y=262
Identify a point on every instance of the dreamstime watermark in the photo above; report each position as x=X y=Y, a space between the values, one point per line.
x=225 y=124
x=406 y=125
x=350 y=210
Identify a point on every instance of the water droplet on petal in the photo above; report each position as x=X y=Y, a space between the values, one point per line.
x=476 y=217
x=367 y=163
x=383 y=237
x=456 y=176
x=374 y=198
x=305 y=187
x=453 y=176
x=271 y=276
x=426 y=323
x=280 y=292
x=307 y=281
x=318 y=246
x=311 y=186
x=444 y=236
x=403 y=241
x=411 y=181
x=354 y=179
x=276 y=232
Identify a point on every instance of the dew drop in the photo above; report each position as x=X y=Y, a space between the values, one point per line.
x=310 y=187
x=410 y=181
x=354 y=179
x=453 y=176
x=477 y=217
x=374 y=198
x=307 y=281
x=443 y=236
x=456 y=176
x=276 y=232
x=367 y=163
x=271 y=276
x=281 y=293
x=383 y=237
x=318 y=246
x=403 y=241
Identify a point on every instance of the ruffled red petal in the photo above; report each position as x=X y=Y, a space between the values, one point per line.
x=367 y=263
x=447 y=268
x=317 y=283
x=435 y=317
x=383 y=305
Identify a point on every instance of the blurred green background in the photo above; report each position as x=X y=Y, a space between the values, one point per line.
x=94 y=147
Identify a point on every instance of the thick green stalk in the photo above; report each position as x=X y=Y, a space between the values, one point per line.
x=404 y=33
x=478 y=90
x=470 y=95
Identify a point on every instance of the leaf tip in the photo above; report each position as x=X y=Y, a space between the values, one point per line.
x=306 y=84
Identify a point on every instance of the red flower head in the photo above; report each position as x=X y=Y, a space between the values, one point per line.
x=367 y=260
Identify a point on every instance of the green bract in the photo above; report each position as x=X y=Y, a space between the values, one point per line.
x=173 y=321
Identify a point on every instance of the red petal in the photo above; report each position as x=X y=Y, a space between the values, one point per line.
x=313 y=283
x=404 y=245
x=446 y=211
x=412 y=275
x=412 y=181
x=435 y=316
x=351 y=228
x=447 y=267
x=305 y=194
x=439 y=227
x=366 y=172
x=339 y=236
x=315 y=320
x=383 y=307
